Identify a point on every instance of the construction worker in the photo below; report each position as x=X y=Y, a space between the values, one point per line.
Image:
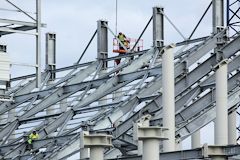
x=125 y=42
x=31 y=138
x=122 y=38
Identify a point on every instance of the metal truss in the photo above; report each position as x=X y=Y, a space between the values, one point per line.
x=144 y=83
x=233 y=17
x=83 y=97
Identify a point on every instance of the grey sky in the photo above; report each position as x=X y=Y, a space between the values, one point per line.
x=74 y=22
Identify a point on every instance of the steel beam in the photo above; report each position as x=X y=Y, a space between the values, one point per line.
x=158 y=27
x=200 y=153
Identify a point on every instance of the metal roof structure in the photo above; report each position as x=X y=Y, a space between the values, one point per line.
x=98 y=99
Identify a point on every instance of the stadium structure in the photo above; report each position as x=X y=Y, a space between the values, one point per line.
x=141 y=109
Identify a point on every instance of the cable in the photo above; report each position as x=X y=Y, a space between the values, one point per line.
x=21 y=10
x=116 y=17
x=174 y=26
x=200 y=20
x=87 y=47
x=141 y=34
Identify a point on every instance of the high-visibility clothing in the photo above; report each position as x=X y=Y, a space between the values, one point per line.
x=32 y=137
x=126 y=44
x=121 y=37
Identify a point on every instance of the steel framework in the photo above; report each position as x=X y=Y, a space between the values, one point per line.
x=102 y=99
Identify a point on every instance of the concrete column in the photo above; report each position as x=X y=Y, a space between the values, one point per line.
x=196 y=140
x=221 y=125
x=232 y=135
x=158 y=27
x=168 y=98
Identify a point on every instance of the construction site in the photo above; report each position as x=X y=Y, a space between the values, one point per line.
x=143 y=103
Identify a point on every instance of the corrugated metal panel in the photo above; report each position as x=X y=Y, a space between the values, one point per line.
x=4 y=66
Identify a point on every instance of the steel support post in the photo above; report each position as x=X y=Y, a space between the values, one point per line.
x=232 y=135
x=196 y=139
x=51 y=62
x=97 y=143
x=150 y=137
x=218 y=15
x=221 y=123
x=84 y=153
x=102 y=42
x=151 y=149
x=96 y=153
x=168 y=98
x=102 y=49
x=158 y=27
x=51 y=54
x=144 y=121
x=38 y=44
x=5 y=69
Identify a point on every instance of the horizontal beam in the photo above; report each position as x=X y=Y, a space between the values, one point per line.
x=22 y=23
x=199 y=153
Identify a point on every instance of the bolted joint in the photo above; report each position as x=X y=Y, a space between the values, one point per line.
x=221 y=63
x=166 y=48
x=213 y=151
x=95 y=140
x=150 y=132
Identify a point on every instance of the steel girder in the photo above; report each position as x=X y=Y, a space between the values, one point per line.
x=153 y=87
x=106 y=120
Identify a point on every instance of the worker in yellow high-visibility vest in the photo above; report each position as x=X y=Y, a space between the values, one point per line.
x=124 y=42
x=33 y=136
x=122 y=38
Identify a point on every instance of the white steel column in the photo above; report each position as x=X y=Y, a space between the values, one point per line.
x=150 y=137
x=151 y=149
x=232 y=135
x=84 y=153
x=97 y=143
x=221 y=122
x=96 y=153
x=38 y=43
x=168 y=98
x=221 y=125
x=196 y=139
